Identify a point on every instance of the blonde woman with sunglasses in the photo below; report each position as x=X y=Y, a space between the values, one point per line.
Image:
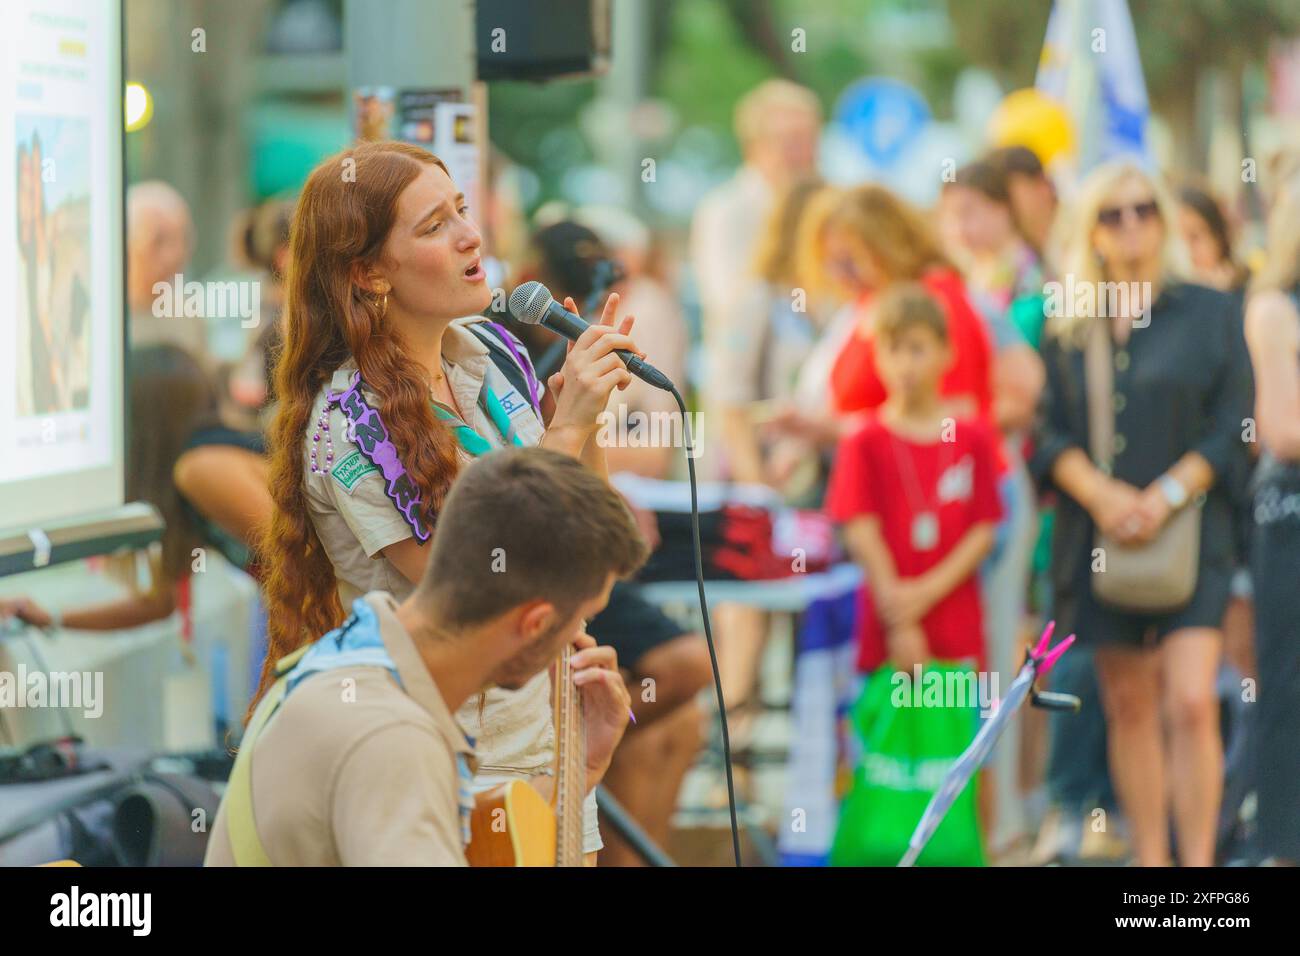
x=1180 y=390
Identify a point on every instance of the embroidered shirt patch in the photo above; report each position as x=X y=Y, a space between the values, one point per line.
x=351 y=470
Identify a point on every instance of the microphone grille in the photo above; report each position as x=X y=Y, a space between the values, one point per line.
x=528 y=303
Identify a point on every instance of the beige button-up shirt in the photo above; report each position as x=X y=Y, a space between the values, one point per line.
x=349 y=507
x=355 y=770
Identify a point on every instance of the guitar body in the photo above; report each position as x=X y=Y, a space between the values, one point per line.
x=513 y=825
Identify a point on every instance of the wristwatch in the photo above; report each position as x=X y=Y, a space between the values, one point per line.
x=1173 y=491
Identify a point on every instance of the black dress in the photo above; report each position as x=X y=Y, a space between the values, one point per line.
x=1182 y=383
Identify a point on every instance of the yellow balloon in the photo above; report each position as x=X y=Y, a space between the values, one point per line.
x=1031 y=119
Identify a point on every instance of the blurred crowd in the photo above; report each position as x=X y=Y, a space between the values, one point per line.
x=924 y=376
x=814 y=344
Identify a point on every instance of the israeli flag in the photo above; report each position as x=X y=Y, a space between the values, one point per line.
x=1090 y=65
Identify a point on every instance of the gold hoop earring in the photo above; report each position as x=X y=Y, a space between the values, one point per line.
x=383 y=306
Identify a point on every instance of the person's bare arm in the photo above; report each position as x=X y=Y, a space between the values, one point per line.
x=230 y=486
x=740 y=441
x=1076 y=475
x=567 y=439
x=1273 y=337
x=905 y=641
x=1111 y=503
x=1193 y=473
x=593 y=455
x=409 y=557
x=866 y=545
x=823 y=429
x=959 y=563
x=132 y=611
x=912 y=598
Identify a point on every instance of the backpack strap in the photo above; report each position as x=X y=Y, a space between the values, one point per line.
x=245 y=844
x=511 y=359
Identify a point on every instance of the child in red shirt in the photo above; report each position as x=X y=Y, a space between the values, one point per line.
x=916 y=493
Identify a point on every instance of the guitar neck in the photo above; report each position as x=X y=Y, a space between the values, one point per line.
x=570 y=765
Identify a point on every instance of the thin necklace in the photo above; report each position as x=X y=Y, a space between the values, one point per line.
x=925 y=518
x=912 y=484
x=433 y=395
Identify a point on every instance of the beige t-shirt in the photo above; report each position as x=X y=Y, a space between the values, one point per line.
x=724 y=229
x=355 y=770
x=355 y=520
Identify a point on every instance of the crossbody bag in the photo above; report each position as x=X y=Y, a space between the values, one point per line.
x=1160 y=575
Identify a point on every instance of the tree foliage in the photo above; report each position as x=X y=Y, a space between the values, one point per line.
x=1176 y=38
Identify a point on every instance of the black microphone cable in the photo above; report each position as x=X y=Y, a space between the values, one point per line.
x=708 y=629
x=526 y=306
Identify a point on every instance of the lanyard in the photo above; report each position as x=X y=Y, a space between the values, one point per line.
x=917 y=498
x=924 y=507
x=470 y=440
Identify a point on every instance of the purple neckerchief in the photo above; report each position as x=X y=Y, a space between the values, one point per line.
x=371 y=437
x=523 y=364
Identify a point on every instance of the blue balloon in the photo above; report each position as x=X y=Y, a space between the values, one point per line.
x=882 y=116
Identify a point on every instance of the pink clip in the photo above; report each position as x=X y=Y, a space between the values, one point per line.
x=1054 y=655
x=1041 y=648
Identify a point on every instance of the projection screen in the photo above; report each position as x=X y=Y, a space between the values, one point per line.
x=61 y=261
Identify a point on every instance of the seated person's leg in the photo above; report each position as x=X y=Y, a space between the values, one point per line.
x=665 y=668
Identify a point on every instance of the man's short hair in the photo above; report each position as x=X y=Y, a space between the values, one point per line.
x=1017 y=161
x=986 y=178
x=153 y=196
x=908 y=305
x=770 y=96
x=524 y=524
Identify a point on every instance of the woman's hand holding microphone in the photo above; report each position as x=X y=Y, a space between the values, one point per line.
x=590 y=374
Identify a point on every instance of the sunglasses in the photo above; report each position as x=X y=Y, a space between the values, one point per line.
x=1112 y=216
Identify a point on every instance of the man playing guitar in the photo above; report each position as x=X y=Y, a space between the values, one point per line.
x=354 y=756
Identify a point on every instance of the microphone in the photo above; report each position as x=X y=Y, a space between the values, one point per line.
x=533 y=304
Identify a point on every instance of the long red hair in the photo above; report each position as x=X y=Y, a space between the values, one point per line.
x=343 y=218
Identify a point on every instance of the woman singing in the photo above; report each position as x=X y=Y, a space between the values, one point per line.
x=384 y=263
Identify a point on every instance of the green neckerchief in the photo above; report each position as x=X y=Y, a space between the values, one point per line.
x=474 y=443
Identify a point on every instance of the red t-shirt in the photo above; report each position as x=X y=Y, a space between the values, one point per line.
x=927 y=496
x=856 y=385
